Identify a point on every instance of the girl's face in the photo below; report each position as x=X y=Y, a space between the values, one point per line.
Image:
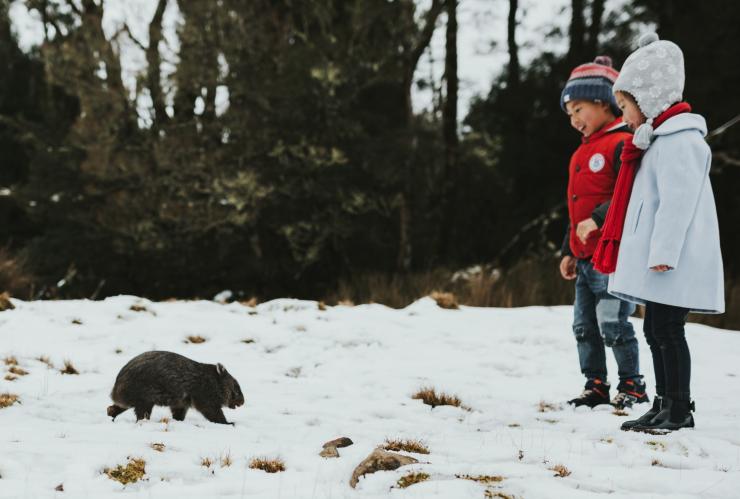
x=588 y=117
x=631 y=113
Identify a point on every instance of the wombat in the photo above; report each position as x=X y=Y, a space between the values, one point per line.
x=166 y=378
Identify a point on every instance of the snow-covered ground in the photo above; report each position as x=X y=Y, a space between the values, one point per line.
x=312 y=375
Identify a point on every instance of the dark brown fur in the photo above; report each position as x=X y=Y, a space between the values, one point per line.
x=169 y=379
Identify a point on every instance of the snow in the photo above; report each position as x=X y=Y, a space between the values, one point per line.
x=312 y=375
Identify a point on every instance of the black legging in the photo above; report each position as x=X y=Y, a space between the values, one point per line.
x=664 y=332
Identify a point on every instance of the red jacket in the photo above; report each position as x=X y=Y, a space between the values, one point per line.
x=591 y=178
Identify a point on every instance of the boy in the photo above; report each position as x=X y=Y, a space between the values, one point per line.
x=599 y=318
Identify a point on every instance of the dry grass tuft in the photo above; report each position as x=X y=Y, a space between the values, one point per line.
x=195 y=339
x=10 y=377
x=138 y=308
x=560 y=470
x=445 y=300
x=495 y=494
x=607 y=440
x=69 y=368
x=620 y=412
x=656 y=462
x=157 y=446
x=548 y=406
x=45 y=360
x=11 y=361
x=411 y=479
x=77 y=322
x=430 y=397
x=485 y=479
x=226 y=460
x=5 y=303
x=656 y=445
x=252 y=302
x=8 y=399
x=206 y=462
x=322 y=306
x=248 y=341
x=415 y=446
x=132 y=472
x=17 y=371
x=269 y=465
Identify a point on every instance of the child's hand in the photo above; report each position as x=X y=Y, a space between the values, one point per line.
x=661 y=268
x=568 y=268
x=585 y=228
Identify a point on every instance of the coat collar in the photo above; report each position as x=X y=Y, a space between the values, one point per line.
x=683 y=121
x=614 y=126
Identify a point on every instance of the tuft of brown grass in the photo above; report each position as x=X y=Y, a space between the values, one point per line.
x=165 y=420
x=44 y=359
x=17 y=371
x=322 y=306
x=607 y=440
x=8 y=399
x=226 y=460
x=656 y=462
x=620 y=412
x=445 y=300
x=69 y=368
x=547 y=406
x=411 y=479
x=560 y=470
x=485 y=479
x=10 y=377
x=274 y=465
x=77 y=322
x=252 y=302
x=407 y=445
x=495 y=494
x=138 y=308
x=206 y=462
x=132 y=472
x=11 y=361
x=5 y=303
x=196 y=339
x=429 y=396
x=656 y=445
x=157 y=446
x=248 y=341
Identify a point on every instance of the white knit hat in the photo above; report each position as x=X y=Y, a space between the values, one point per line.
x=654 y=75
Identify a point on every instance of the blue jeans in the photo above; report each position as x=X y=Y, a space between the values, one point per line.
x=601 y=319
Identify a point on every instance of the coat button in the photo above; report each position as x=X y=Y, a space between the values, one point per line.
x=575 y=197
x=578 y=168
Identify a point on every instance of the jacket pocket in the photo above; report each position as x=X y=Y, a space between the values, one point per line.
x=637 y=217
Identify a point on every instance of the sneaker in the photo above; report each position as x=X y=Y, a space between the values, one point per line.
x=629 y=393
x=596 y=392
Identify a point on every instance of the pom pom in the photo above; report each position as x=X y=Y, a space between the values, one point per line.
x=604 y=60
x=647 y=39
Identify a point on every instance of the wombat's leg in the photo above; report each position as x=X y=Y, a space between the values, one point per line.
x=178 y=413
x=143 y=411
x=214 y=415
x=114 y=410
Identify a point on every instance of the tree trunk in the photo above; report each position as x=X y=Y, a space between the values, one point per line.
x=513 y=76
x=597 y=13
x=154 y=62
x=405 y=247
x=576 y=33
x=449 y=132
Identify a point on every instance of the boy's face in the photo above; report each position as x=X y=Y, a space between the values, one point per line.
x=631 y=113
x=588 y=117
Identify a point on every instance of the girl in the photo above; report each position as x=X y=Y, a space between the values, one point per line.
x=660 y=241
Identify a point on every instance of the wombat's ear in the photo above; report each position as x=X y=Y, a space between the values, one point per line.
x=220 y=369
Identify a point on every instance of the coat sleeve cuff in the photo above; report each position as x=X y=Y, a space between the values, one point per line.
x=663 y=256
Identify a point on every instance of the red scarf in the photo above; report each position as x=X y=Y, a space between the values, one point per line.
x=605 y=256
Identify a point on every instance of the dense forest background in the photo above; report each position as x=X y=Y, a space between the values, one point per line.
x=318 y=179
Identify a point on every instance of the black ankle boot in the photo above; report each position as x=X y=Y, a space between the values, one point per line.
x=647 y=417
x=674 y=415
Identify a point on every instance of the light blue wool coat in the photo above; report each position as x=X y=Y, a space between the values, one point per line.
x=672 y=220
